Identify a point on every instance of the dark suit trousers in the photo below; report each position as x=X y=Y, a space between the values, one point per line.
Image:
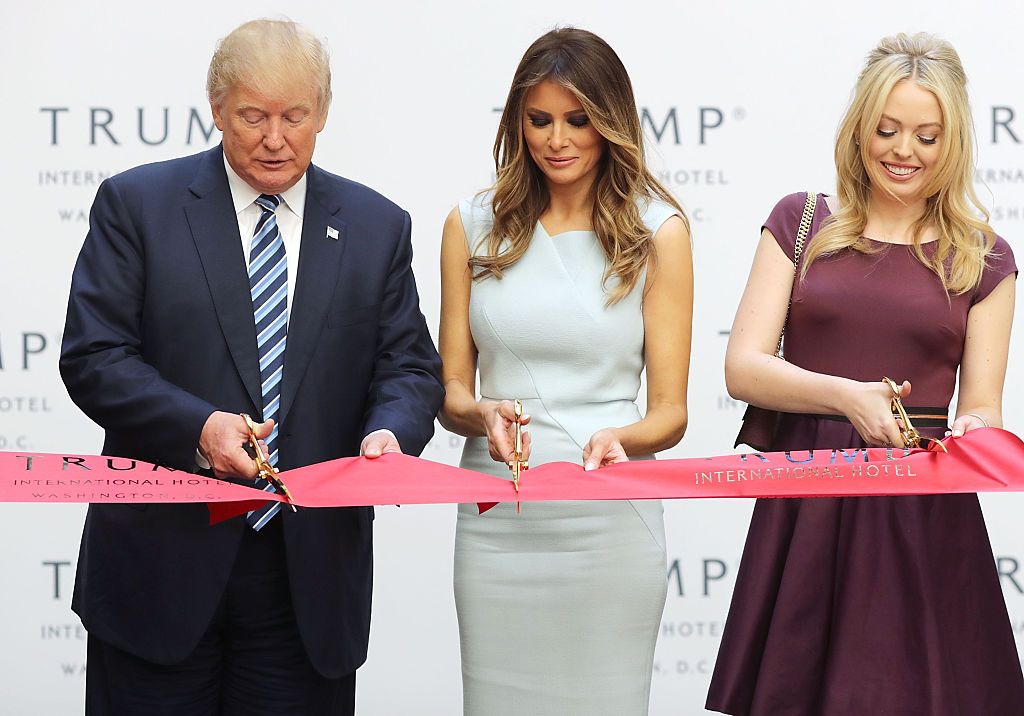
x=250 y=661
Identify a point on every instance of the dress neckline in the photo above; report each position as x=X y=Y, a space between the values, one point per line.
x=828 y=213
x=587 y=232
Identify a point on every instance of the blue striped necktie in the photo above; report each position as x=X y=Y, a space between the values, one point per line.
x=268 y=286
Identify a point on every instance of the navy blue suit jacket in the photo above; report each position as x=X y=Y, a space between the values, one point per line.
x=160 y=334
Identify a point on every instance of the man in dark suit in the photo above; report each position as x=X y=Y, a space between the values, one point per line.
x=241 y=280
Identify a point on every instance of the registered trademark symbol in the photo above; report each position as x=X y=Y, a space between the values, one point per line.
x=739 y=113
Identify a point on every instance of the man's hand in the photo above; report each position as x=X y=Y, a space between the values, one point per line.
x=379 y=442
x=222 y=441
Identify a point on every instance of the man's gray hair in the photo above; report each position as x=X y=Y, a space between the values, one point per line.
x=273 y=58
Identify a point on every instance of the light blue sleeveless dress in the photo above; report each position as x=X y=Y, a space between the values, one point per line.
x=559 y=606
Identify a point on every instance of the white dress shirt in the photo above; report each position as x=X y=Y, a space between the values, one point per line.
x=289 y=223
x=289 y=220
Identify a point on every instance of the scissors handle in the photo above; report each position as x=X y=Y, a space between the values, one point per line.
x=518 y=464
x=912 y=438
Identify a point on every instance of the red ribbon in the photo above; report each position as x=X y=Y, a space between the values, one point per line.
x=984 y=460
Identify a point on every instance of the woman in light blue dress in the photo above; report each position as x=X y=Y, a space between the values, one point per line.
x=561 y=282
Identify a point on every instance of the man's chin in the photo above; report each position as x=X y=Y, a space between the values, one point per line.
x=274 y=182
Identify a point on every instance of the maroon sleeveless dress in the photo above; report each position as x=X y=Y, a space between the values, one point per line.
x=869 y=606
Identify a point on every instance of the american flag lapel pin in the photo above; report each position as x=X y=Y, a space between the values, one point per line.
x=332 y=233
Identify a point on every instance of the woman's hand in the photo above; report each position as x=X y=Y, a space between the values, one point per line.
x=603 y=449
x=499 y=419
x=969 y=421
x=869 y=408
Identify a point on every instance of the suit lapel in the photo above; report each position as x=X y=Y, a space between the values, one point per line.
x=215 y=232
x=319 y=265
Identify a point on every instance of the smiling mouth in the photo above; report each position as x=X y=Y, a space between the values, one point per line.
x=900 y=171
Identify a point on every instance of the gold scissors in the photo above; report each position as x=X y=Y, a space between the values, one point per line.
x=911 y=437
x=518 y=464
x=264 y=470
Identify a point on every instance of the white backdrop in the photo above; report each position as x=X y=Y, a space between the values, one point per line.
x=741 y=101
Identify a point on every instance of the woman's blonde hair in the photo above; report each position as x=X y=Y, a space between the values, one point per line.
x=272 y=57
x=586 y=66
x=952 y=208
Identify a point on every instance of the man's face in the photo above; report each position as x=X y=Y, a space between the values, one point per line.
x=269 y=141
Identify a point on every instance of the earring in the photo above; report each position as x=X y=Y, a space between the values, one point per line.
x=856 y=141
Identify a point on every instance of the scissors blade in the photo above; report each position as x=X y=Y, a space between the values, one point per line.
x=264 y=469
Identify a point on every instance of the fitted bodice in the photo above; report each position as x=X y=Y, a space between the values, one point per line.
x=866 y=315
x=546 y=334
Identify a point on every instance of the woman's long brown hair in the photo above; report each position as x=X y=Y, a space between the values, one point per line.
x=586 y=66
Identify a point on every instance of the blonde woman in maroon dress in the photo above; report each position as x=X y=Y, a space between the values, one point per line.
x=876 y=605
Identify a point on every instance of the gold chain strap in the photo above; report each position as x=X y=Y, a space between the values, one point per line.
x=806 y=219
x=805 y=227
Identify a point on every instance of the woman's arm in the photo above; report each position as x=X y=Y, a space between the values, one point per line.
x=755 y=375
x=462 y=413
x=668 y=318
x=983 y=366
